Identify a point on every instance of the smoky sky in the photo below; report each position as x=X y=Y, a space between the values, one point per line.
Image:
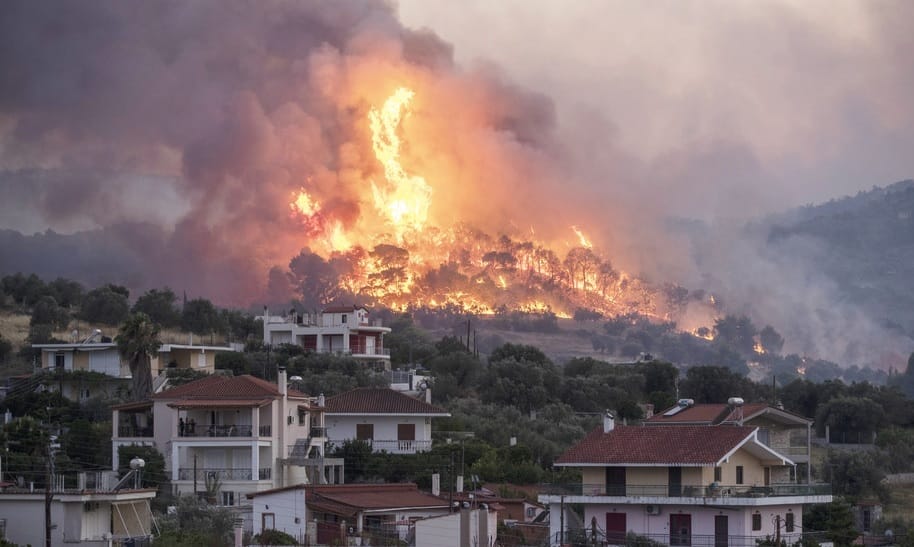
x=168 y=136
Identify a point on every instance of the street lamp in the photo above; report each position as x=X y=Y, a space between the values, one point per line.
x=137 y=464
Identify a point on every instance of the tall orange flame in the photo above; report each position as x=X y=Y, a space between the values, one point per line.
x=406 y=200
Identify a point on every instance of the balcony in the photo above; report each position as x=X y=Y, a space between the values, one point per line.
x=686 y=491
x=588 y=536
x=392 y=446
x=317 y=432
x=216 y=431
x=133 y=431
x=224 y=473
x=265 y=431
x=354 y=350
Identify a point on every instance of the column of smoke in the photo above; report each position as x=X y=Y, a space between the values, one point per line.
x=228 y=108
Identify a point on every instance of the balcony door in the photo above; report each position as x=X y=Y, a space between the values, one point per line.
x=406 y=436
x=675 y=482
x=615 y=527
x=615 y=481
x=680 y=529
x=364 y=432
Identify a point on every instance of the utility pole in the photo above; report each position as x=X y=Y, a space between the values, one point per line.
x=777 y=529
x=450 y=478
x=195 y=475
x=49 y=488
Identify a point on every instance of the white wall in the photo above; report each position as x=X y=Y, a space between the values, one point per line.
x=286 y=506
x=385 y=427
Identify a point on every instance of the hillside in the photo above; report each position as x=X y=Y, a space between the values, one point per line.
x=864 y=243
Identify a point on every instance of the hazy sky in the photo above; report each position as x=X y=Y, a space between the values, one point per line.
x=776 y=103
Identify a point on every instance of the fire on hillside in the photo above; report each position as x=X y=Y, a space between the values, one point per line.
x=408 y=260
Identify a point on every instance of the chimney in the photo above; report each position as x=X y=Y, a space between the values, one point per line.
x=436 y=484
x=609 y=422
x=459 y=486
x=428 y=395
x=281 y=380
x=321 y=400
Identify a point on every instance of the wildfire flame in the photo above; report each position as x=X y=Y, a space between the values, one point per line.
x=758 y=348
x=415 y=263
x=582 y=239
x=406 y=202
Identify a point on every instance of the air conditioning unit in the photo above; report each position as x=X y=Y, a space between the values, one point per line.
x=652 y=509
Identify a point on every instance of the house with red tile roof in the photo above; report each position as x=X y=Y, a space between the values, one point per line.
x=680 y=485
x=231 y=435
x=344 y=330
x=786 y=432
x=331 y=514
x=389 y=420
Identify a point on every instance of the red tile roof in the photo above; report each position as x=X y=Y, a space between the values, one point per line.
x=225 y=387
x=658 y=445
x=379 y=400
x=343 y=309
x=718 y=413
x=220 y=403
x=348 y=499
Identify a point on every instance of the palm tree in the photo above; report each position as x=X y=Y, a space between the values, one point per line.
x=137 y=341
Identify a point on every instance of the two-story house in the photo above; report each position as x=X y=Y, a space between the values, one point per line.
x=227 y=436
x=389 y=420
x=103 y=357
x=342 y=329
x=785 y=432
x=680 y=485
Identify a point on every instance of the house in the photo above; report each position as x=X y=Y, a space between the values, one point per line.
x=785 y=432
x=389 y=420
x=226 y=436
x=344 y=330
x=680 y=485
x=332 y=513
x=469 y=526
x=102 y=357
x=89 y=514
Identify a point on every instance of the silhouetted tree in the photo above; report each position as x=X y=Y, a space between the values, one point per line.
x=137 y=341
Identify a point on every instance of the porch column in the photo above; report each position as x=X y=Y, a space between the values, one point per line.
x=255 y=422
x=174 y=461
x=255 y=461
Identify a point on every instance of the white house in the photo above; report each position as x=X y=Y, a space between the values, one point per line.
x=344 y=330
x=79 y=516
x=335 y=513
x=389 y=420
x=681 y=485
x=229 y=436
x=467 y=526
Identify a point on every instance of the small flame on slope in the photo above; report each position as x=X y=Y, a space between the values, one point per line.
x=582 y=239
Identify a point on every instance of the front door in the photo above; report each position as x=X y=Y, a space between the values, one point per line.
x=680 y=529
x=406 y=437
x=615 y=481
x=721 y=531
x=615 y=528
x=675 y=481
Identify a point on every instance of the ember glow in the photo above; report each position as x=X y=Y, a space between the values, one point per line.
x=407 y=259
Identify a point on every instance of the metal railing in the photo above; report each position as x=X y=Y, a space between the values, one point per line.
x=391 y=446
x=688 y=491
x=198 y=430
x=317 y=432
x=590 y=538
x=265 y=431
x=133 y=431
x=224 y=473
x=353 y=350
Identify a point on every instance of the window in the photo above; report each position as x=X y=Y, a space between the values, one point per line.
x=756 y=522
x=268 y=521
x=718 y=474
x=788 y=522
x=60 y=360
x=364 y=432
x=344 y=318
x=228 y=498
x=739 y=474
x=867 y=519
x=302 y=416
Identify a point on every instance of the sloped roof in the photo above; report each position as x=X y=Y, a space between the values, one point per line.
x=225 y=387
x=379 y=400
x=343 y=309
x=681 y=445
x=348 y=499
x=704 y=414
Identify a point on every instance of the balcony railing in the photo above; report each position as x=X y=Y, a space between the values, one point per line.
x=392 y=446
x=224 y=473
x=356 y=350
x=317 y=432
x=588 y=536
x=688 y=491
x=265 y=431
x=198 y=430
x=133 y=431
